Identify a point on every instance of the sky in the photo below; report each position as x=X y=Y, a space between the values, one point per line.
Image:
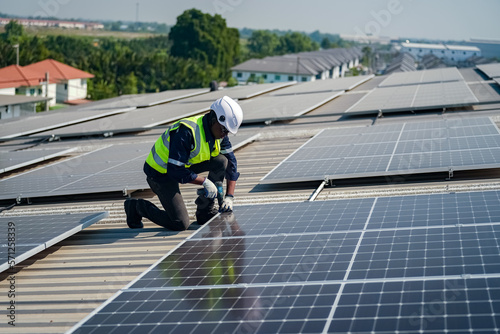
x=431 y=19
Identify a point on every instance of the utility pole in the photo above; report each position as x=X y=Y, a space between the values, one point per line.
x=298 y=66
x=47 y=90
x=17 y=53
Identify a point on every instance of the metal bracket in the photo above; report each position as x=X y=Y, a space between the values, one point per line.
x=125 y=192
x=444 y=110
x=380 y=114
x=319 y=189
x=450 y=173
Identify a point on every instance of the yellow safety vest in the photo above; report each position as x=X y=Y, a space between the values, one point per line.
x=158 y=157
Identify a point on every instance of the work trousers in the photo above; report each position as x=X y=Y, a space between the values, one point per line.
x=175 y=216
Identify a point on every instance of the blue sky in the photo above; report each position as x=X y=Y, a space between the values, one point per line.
x=434 y=19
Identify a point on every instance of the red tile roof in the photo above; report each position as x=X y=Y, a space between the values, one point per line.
x=58 y=71
x=14 y=76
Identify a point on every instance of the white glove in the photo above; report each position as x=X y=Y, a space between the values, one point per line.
x=227 y=204
x=210 y=188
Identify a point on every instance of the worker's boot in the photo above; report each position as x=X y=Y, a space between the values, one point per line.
x=133 y=218
x=206 y=209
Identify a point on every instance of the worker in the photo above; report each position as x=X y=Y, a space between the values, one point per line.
x=191 y=146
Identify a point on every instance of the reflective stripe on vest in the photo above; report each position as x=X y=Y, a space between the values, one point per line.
x=158 y=157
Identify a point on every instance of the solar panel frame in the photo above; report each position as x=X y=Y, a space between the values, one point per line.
x=438 y=146
x=46 y=227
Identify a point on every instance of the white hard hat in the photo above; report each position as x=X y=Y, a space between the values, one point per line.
x=229 y=113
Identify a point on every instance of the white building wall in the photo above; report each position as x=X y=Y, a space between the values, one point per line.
x=8 y=91
x=77 y=89
x=52 y=93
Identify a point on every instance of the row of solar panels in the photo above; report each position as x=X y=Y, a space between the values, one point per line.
x=353 y=152
x=370 y=265
x=429 y=89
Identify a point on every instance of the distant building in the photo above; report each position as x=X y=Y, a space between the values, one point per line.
x=65 y=84
x=451 y=54
x=71 y=82
x=301 y=67
x=402 y=63
x=54 y=24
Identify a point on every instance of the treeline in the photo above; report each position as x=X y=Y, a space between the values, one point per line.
x=199 y=48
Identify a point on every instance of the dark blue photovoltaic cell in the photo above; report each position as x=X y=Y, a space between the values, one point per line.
x=273 y=309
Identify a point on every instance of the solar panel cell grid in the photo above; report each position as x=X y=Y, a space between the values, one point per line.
x=457 y=144
x=386 y=265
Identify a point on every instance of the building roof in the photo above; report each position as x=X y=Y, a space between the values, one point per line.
x=463 y=48
x=276 y=65
x=310 y=63
x=14 y=76
x=7 y=100
x=424 y=46
x=58 y=71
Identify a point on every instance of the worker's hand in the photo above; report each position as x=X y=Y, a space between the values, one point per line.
x=227 y=204
x=210 y=188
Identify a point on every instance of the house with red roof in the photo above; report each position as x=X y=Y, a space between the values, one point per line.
x=66 y=84
x=71 y=83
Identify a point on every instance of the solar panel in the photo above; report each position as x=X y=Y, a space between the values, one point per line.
x=486 y=92
x=491 y=70
x=33 y=234
x=405 y=148
x=139 y=118
x=422 y=264
x=285 y=107
x=112 y=168
x=13 y=160
x=328 y=85
x=423 y=77
x=497 y=80
x=415 y=97
x=50 y=120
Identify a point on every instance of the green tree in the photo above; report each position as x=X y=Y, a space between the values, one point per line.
x=207 y=39
x=263 y=43
x=14 y=32
x=326 y=43
x=296 y=42
x=128 y=84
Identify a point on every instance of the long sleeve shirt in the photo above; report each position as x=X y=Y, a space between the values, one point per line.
x=181 y=144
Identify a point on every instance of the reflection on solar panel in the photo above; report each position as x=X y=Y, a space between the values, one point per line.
x=422 y=77
x=491 y=70
x=415 y=97
x=13 y=160
x=33 y=234
x=285 y=107
x=113 y=168
x=405 y=148
x=386 y=270
x=328 y=85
